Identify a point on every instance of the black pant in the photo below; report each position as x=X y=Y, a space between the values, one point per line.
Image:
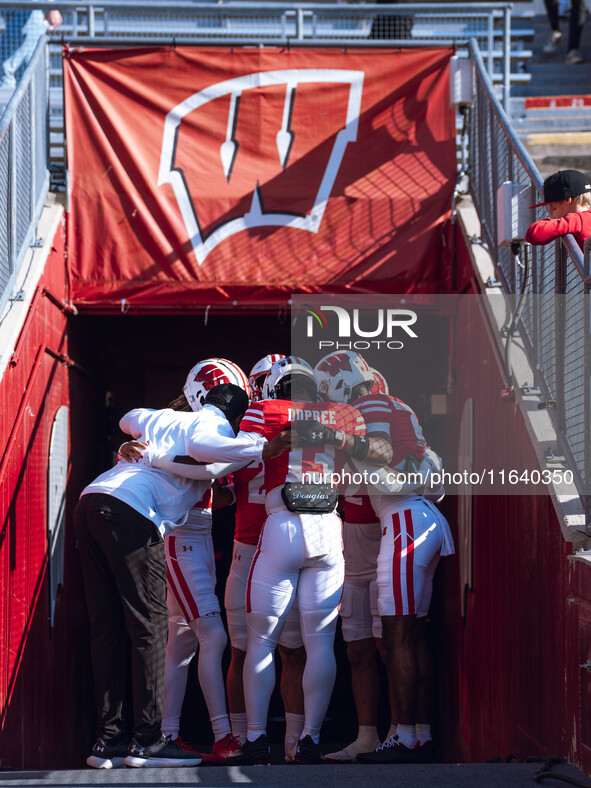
x=122 y=557
x=578 y=13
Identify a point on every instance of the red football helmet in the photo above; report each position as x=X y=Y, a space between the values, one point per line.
x=292 y=366
x=259 y=372
x=339 y=373
x=209 y=373
x=380 y=385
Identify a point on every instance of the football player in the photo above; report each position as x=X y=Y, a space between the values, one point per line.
x=250 y=515
x=299 y=555
x=405 y=551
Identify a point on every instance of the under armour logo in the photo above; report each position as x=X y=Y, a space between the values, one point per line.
x=237 y=557
x=187 y=547
x=235 y=92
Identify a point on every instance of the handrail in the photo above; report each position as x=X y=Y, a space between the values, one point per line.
x=519 y=148
x=359 y=9
x=497 y=155
x=24 y=145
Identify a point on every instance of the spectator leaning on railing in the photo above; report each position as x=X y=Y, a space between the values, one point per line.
x=22 y=30
x=567 y=194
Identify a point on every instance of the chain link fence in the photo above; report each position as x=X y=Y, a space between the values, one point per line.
x=555 y=324
x=151 y=22
x=24 y=177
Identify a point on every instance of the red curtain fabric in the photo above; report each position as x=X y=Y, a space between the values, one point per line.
x=237 y=176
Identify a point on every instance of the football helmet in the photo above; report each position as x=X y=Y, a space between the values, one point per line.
x=338 y=373
x=258 y=374
x=209 y=373
x=287 y=366
x=380 y=385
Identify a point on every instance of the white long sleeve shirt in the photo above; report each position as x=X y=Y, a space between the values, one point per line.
x=157 y=493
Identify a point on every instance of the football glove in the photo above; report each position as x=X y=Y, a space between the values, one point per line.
x=313 y=433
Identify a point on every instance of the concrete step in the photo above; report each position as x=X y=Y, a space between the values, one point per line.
x=477 y=775
x=552 y=125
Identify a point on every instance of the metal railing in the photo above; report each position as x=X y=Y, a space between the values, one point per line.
x=555 y=325
x=24 y=177
x=152 y=22
x=24 y=149
x=281 y=23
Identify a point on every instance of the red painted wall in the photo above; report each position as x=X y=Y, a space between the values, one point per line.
x=510 y=680
x=41 y=670
x=510 y=672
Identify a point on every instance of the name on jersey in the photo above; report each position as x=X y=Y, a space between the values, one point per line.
x=323 y=416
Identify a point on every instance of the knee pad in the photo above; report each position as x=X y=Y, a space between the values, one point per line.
x=263 y=628
x=210 y=632
x=182 y=643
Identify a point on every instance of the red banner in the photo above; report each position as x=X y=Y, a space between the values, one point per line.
x=211 y=176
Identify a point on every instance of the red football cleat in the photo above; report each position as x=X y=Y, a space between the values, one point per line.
x=222 y=749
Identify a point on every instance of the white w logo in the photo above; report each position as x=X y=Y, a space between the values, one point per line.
x=256 y=216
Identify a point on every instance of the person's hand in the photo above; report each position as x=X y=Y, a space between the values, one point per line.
x=313 y=433
x=54 y=18
x=132 y=451
x=222 y=495
x=284 y=441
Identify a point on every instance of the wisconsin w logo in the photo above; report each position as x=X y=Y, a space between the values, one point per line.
x=220 y=107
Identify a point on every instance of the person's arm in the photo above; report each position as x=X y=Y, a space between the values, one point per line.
x=244 y=448
x=546 y=230
x=133 y=422
x=210 y=442
x=137 y=451
x=207 y=445
x=421 y=478
x=190 y=469
x=222 y=496
x=379 y=449
x=352 y=438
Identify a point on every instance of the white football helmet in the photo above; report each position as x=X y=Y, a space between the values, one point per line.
x=258 y=374
x=288 y=365
x=209 y=373
x=380 y=385
x=338 y=373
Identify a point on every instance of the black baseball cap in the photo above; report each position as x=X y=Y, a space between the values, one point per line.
x=230 y=399
x=563 y=184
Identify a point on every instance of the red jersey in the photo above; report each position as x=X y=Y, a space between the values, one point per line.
x=546 y=230
x=250 y=502
x=312 y=463
x=391 y=418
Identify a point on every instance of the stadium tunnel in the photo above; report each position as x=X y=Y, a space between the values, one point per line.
x=143 y=360
x=84 y=353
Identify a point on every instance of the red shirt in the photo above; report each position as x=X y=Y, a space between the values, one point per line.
x=392 y=418
x=250 y=502
x=271 y=416
x=546 y=230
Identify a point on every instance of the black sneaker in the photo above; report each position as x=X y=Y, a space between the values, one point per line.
x=160 y=754
x=251 y=753
x=308 y=751
x=391 y=751
x=107 y=756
